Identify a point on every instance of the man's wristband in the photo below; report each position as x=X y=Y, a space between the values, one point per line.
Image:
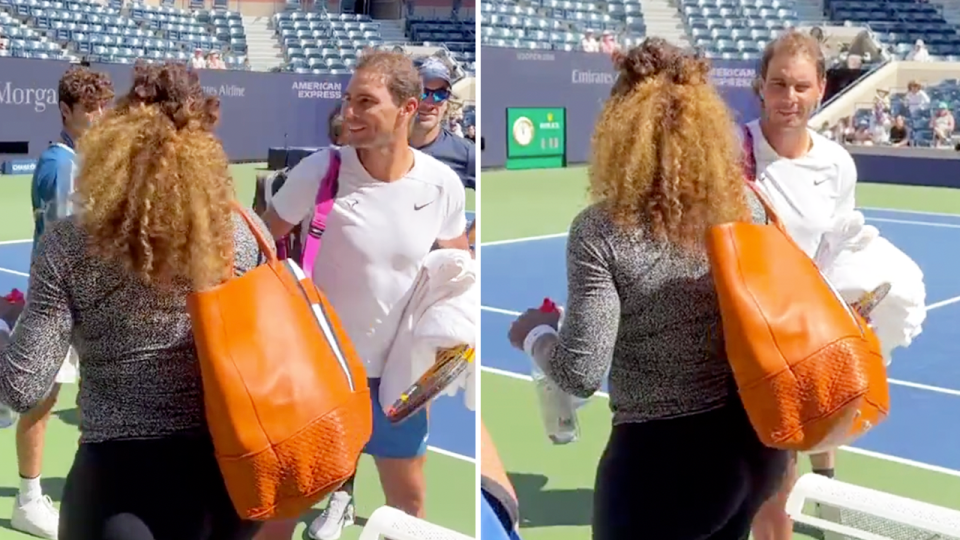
x=535 y=334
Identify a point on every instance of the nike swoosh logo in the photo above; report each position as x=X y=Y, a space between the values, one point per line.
x=816 y=183
x=418 y=207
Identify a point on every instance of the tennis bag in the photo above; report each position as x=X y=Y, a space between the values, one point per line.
x=808 y=368
x=288 y=423
x=295 y=245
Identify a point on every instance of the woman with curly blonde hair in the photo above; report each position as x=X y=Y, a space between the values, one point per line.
x=156 y=220
x=682 y=461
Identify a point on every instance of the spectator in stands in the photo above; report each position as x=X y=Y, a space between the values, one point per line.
x=826 y=130
x=919 y=52
x=943 y=125
x=843 y=131
x=471 y=133
x=429 y=134
x=608 y=43
x=916 y=98
x=82 y=95
x=880 y=121
x=197 y=61
x=589 y=42
x=899 y=132
x=635 y=261
x=156 y=223
x=214 y=61
x=862 y=134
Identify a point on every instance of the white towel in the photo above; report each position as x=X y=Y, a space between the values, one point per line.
x=856 y=259
x=443 y=311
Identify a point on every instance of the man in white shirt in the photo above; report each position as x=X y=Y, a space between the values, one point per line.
x=589 y=42
x=808 y=179
x=393 y=203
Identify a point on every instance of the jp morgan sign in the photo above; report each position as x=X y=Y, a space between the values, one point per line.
x=36 y=98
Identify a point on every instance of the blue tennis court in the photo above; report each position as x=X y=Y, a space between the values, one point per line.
x=920 y=433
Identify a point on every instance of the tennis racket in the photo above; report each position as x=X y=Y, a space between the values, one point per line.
x=870 y=300
x=450 y=364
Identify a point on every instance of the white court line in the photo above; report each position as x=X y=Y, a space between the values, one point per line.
x=942 y=303
x=869 y=219
x=898 y=382
x=454 y=455
x=921 y=223
x=14 y=272
x=8 y=242
x=852 y=450
x=909 y=212
x=524 y=239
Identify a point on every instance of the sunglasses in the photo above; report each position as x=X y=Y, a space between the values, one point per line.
x=439 y=95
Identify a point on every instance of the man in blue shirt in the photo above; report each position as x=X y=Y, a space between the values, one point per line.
x=82 y=95
x=429 y=136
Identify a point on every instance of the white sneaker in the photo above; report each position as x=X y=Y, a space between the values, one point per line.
x=340 y=513
x=37 y=517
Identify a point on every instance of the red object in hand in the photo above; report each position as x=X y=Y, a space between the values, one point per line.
x=15 y=297
x=548 y=306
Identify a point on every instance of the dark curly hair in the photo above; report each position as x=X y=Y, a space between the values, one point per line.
x=80 y=84
x=665 y=153
x=154 y=183
x=335 y=125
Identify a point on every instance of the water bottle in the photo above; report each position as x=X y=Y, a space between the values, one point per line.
x=8 y=417
x=558 y=410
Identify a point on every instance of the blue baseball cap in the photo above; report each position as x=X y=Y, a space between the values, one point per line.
x=434 y=68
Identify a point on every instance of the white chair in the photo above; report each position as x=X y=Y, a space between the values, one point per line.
x=387 y=522
x=867 y=514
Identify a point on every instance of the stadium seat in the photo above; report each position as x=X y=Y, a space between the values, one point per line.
x=557 y=24
x=899 y=24
x=71 y=29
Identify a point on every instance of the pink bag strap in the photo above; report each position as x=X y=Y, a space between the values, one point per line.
x=326 y=196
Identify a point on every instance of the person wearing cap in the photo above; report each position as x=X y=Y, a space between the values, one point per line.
x=942 y=124
x=919 y=52
x=197 y=61
x=589 y=42
x=429 y=134
x=608 y=45
x=214 y=61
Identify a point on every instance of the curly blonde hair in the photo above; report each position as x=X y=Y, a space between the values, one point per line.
x=153 y=184
x=665 y=153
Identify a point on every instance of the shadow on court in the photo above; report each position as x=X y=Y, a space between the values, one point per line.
x=53 y=487
x=71 y=417
x=552 y=507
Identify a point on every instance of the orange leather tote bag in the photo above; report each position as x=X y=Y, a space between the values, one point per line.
x=285 y=393
x=808 y=367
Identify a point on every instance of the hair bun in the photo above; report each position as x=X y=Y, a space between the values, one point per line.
x=176 y=91
x=656 y=57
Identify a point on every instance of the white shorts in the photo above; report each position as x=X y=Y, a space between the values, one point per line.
x=70 y=370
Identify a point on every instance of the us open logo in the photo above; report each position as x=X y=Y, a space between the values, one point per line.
x=523 y=131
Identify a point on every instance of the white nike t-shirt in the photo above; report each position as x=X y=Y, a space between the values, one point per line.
x=807 y=192
x=376 y=238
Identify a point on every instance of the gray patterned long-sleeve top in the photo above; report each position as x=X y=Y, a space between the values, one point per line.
x=647 y=312
x=139 y=376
